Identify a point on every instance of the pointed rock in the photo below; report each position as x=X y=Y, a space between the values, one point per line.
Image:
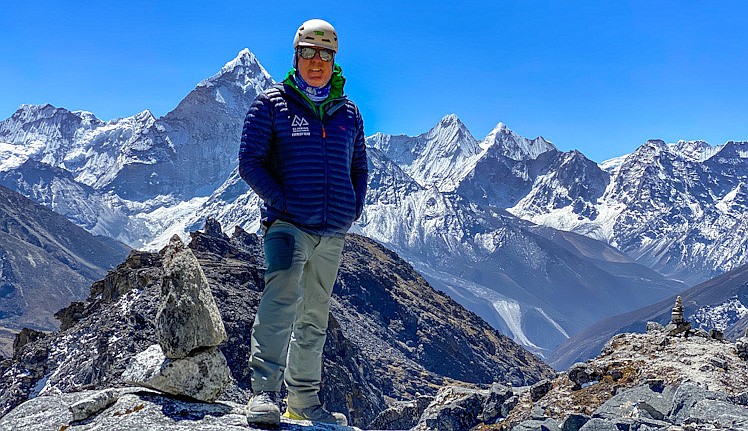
x=188 y=317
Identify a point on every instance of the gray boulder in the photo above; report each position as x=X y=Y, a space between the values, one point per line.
x=574 y=422
x=694 y=404
x=202 y=376
x=188 y=317
x=135 y=409
x=501 y=400
x=539 y=389
x=599 y=424
x=674 y=329
x=453 y=409
x=644 y=401
x=654 y=327
x=403 y=415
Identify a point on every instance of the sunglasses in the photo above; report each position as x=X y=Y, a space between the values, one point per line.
x=308 y=53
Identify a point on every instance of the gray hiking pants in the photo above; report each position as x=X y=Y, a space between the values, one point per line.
x=290 y=327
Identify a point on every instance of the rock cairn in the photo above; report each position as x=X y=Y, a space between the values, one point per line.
x=186 y=361
x=678 y=324
x=679 y=327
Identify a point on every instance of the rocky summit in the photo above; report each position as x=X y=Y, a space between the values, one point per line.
x=686 y=380
x=391 y=337
x=660 y=380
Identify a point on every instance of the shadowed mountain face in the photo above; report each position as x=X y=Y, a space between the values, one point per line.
x=391 y=334
x=720 y=303
x=46 y=262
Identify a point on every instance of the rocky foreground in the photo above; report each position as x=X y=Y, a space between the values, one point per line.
x=391 y=337
x=399 y=356
x=691 y=381
x=669 y=379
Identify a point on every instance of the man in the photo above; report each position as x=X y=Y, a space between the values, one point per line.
x=303 y=153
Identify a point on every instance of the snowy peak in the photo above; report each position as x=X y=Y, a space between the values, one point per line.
x=686 y=151
x=647 y=153
x=733 y=152
x=695 y=151
x=230 y=91
x=39 y=132
x=571 y=181
x=244 y=70
x=435 y=158
x=503 y=141
x=32 y=113
x=451 y=135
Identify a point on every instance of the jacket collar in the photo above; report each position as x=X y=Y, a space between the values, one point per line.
x=327 y=106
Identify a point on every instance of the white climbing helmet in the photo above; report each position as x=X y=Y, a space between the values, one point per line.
x=316 y=32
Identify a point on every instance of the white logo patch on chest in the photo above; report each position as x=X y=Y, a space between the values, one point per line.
x=299 y=126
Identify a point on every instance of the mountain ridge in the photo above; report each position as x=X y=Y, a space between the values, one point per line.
x=451 y=191
x=45 y=261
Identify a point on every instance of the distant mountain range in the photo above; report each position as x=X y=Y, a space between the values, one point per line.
x=46 y=262
x=715 y=304
x=540 y=243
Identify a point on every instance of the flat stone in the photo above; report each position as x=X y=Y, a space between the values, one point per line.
x=599 y=424
x=135 y=410
x=95 y=403
x=201 y=376
x=694 y=404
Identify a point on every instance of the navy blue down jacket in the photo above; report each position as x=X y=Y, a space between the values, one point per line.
x=308 y=165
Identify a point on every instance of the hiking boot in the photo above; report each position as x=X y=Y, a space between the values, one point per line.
x=316 y=414
x=263 y=409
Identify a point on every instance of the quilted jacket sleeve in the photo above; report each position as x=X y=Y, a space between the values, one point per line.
x=255 y=159
x=359 y=166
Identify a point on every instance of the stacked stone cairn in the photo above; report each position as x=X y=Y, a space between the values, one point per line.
x=186 y=361
x=678 y=324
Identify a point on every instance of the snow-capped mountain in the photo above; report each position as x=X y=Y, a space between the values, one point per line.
x=530 y=282
x=439 y=157
x=132 y=178
x=438 y=199
x=678 y=208
x=506 y=169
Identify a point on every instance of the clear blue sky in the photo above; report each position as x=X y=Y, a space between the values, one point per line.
x=597 y=76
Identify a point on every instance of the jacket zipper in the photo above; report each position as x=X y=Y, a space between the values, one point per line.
x=324 y=153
